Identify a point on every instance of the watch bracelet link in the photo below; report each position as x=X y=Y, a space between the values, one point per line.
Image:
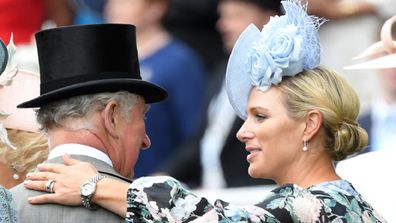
x=87 y=200
x=96 y=178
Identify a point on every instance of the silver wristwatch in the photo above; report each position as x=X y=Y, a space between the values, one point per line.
x=87 y=190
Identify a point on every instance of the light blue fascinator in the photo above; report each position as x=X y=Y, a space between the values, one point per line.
x=287 y=45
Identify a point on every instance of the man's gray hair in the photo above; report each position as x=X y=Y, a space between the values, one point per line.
x=76 y=112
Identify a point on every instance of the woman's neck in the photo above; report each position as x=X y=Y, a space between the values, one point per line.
x=7 y=180
x=307 y=172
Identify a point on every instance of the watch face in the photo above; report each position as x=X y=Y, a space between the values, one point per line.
x=87 y=189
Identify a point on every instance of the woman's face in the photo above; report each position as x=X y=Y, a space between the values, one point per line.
x=272 y=138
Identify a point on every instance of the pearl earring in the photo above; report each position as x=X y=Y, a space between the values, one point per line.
x=15 y=176
x=305 y=148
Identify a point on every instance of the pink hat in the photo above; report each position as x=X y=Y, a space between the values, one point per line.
x=16 y=87
x=383 y=51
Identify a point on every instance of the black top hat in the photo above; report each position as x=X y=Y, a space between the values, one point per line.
x=88 y=59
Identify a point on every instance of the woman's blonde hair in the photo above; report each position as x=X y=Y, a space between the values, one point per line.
x=31 y=149
x=324 y=90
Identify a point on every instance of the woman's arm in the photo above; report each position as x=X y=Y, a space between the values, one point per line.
x=110 y=194
x=162 y=198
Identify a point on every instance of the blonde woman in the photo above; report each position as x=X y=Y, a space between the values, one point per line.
x=22 y=146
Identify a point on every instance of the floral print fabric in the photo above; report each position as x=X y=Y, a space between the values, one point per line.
x=7 y=209
x=164 y=199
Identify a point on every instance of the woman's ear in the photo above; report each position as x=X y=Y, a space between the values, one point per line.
x=313 y=124
x=110 y=118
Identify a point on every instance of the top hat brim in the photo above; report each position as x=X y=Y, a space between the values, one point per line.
x=150 y=92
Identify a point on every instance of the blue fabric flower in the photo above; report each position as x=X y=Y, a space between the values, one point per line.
x=277 y=53
x=287 y=45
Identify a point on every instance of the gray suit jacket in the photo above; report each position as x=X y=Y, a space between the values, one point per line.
x=53 y=213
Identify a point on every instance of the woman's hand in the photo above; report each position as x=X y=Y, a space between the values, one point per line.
x=68 y=179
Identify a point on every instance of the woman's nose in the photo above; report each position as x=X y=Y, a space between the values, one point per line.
x=244 y=133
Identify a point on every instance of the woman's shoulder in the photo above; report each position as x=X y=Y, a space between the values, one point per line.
x=5 y=197
x=326 y=202
x=7 y=210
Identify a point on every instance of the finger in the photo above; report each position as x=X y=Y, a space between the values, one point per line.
x=41 y=199
x=35 y=185
x=68 y=160
x=51 y=167
x=41 y=176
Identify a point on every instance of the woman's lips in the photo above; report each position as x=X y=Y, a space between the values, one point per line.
x=253 y=152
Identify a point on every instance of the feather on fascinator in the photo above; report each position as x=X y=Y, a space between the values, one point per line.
x=287 y=45
x=15 y=87
x=383 y=51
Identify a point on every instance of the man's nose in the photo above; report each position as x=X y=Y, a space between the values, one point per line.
x=146 y=142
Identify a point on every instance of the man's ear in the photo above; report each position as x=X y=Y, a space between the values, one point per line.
x=110 y=118
x=313 y=124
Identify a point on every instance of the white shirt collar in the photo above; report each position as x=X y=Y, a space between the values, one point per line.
x=79 y=149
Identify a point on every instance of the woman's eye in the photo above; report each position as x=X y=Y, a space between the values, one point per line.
x=260 y=117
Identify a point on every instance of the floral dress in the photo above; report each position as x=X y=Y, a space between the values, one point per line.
x=7 y=209
x=164 y=199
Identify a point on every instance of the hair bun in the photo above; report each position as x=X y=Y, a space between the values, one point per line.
x=349 y=138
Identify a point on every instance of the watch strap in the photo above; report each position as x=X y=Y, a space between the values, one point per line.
x=86 y=200
x=96 y=178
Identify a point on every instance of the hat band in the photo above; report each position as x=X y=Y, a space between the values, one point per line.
x=48 y=86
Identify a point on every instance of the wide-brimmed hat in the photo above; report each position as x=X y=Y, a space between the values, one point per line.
x=88 y=59
x=16 y=86
x=382 y=53
x=286 y=46
x=24 y=85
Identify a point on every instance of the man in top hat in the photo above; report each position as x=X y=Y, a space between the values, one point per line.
x=92 y=105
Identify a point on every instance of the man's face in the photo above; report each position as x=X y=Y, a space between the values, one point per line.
x=132 y=138
x=235 y=16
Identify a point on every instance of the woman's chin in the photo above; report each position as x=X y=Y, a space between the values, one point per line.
x=253 y=172
x=257 y=173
